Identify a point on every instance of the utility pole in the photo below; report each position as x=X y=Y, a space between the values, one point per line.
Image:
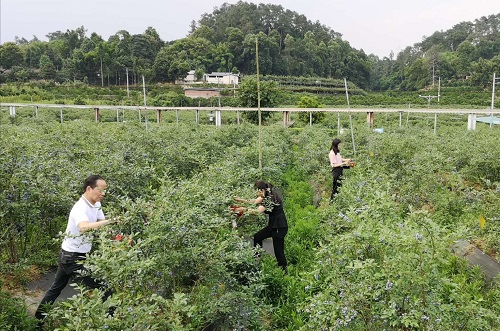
x=430 y=97
x=350 y=116
x=144 y=90
x=258 y=101
x=439 y=87
x=128 y=93
x=102 y=76
x=493 y=96
x=493 y=91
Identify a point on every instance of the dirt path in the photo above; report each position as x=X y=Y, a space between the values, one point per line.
x=33 y=293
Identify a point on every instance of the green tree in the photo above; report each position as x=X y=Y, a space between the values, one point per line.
x=310 y=102
x=223 y=58
x=68 y=71
x=10 y=55
x=47 y=68
x=34 y=51
x=483 y=71
x=248 y=97
x=174 y=61
x=154 y=39
x=417 y=75
x=467 y=53
x=234 y=40
x=204 y=32
x=121 y=56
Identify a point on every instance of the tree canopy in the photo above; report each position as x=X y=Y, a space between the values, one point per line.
x=224 y=41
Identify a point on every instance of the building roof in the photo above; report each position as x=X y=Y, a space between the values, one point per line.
x=222 y=74
x=201 y=89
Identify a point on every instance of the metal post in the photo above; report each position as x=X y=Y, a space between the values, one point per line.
x=493 y=98
x=471 y=124
x=96 y=114
x=338 y=124
x=218 y=118
x=400 y=118
x=408 y=115
x=439 y=87
x=144 y=90
x=61 y=114
x=197 y=116
x=369 y=119
x=128 y=93
x=177 y=116
x=102 y=76
x=493 y=92
x=158 y=116
x=310 y=118
x=286 y=118
x=435 y=122
x=258 y=101
x=350 y=117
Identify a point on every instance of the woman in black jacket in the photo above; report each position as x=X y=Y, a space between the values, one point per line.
x=269 y=202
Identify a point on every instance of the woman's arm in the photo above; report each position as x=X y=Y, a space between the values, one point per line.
x=254 y=211
x=250 y=201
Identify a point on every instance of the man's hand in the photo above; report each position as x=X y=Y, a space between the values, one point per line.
x=112 y=220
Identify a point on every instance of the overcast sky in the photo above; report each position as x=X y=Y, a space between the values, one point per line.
x=376 y=26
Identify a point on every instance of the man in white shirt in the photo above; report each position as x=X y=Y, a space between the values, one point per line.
x=85 y=215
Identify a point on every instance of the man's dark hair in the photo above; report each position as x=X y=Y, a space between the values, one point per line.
x=91 y=181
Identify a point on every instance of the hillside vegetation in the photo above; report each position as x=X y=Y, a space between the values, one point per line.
x=289 y=45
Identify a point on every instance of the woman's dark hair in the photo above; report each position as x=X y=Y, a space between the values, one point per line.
x=270 y=190
x=91 y=181
x=335 y=145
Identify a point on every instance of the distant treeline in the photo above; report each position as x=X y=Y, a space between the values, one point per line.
x=225 y=40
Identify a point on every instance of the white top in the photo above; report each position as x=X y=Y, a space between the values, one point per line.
x=74 y=240
x=334 y=158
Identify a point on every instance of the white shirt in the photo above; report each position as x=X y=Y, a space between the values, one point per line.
x=74 y=240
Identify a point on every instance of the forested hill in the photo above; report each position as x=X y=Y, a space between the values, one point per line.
x=289 y=45
x=270 y=19
x=224 y=40
x=484 y=33
x=467 y=55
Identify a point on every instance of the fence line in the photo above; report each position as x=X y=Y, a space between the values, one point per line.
x=472 y=113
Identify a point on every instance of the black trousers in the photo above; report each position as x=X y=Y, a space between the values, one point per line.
x=337 y=183
x=278 y=235
x=69 y=267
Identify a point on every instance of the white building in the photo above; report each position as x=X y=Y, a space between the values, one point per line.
x=191 y=77
x=223 y=78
